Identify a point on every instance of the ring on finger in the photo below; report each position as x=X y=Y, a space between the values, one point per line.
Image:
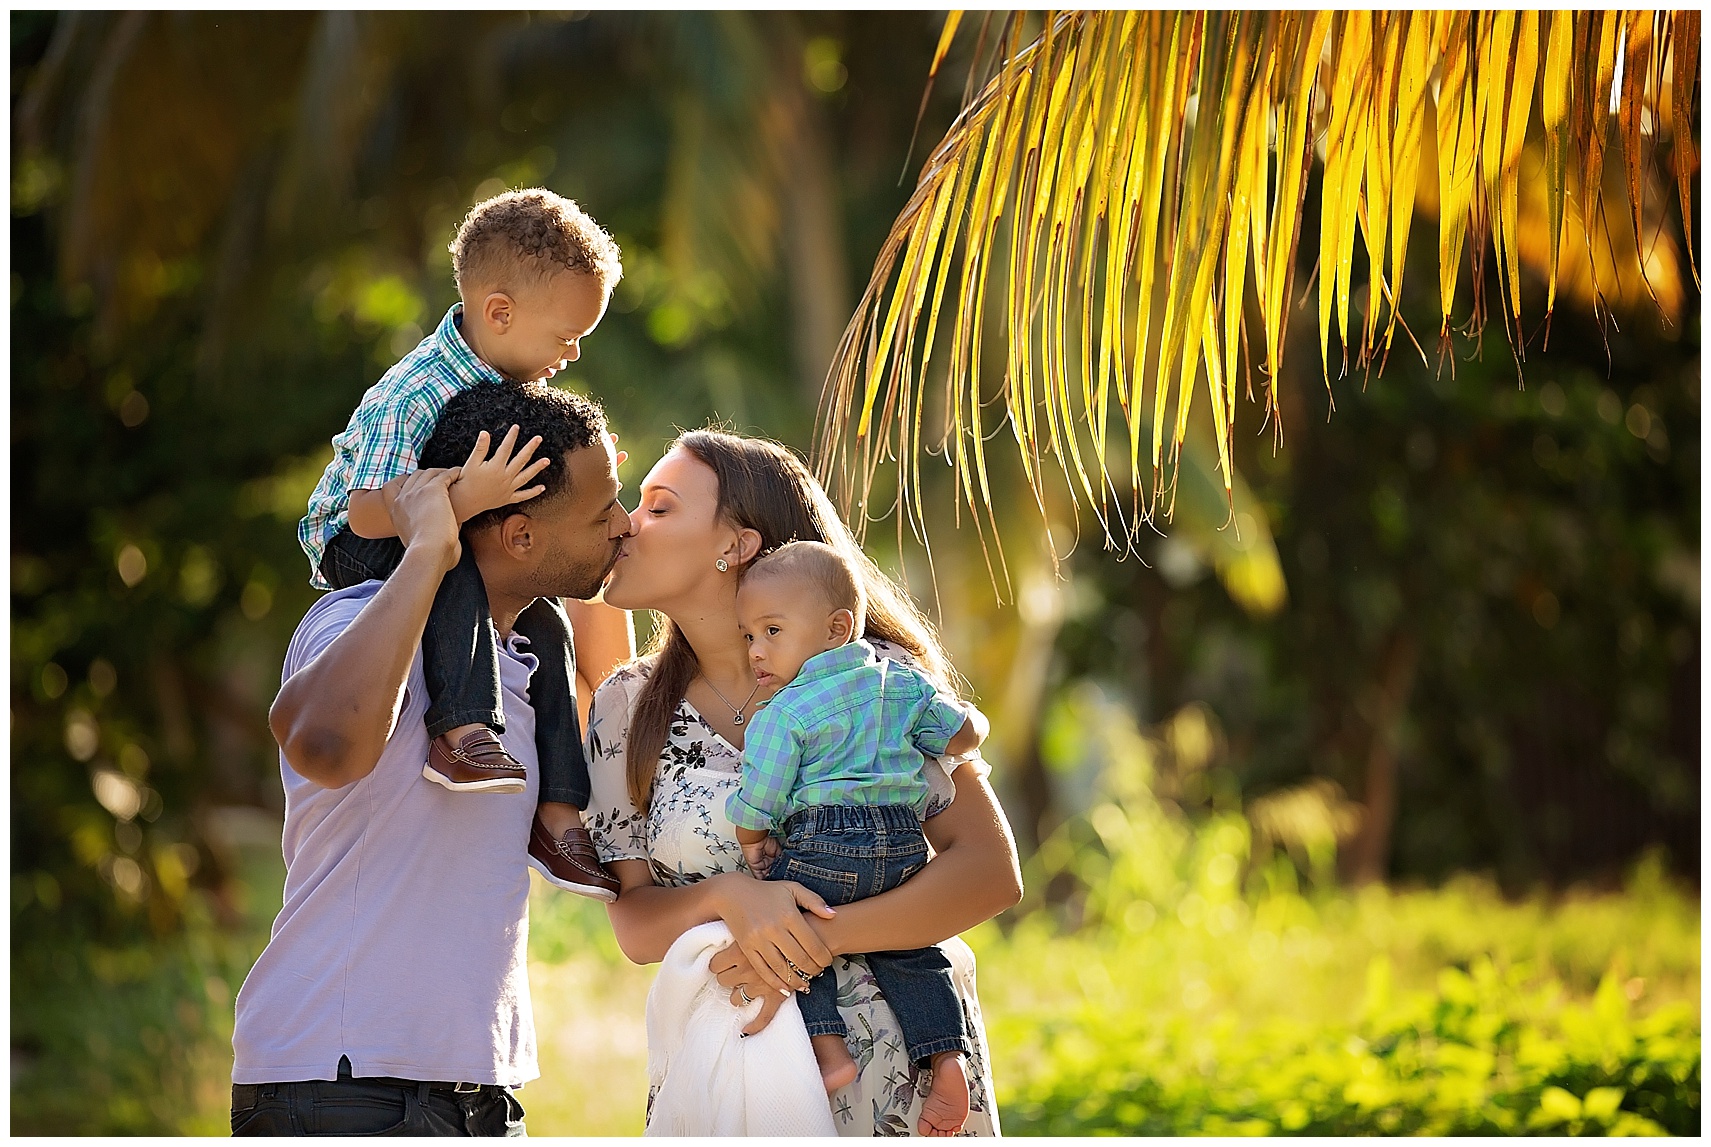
x=744 y=992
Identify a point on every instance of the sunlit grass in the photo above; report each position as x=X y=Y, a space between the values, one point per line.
x=1384 y=1010
x=1271 y=1016
x=1438 y=1011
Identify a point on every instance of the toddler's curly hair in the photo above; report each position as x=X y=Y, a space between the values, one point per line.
x=525 y=237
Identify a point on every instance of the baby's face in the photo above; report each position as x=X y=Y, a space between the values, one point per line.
x=548 y=323
x=786 y=623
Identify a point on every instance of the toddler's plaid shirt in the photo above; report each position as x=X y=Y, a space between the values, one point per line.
x=392 y=423
x=850 y=729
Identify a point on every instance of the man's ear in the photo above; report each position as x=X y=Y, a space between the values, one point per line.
x=840 y=627
x=517 y=536
x=496 y=311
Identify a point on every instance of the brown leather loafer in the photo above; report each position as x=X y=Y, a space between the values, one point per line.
x=570 y=863
x=479 y=764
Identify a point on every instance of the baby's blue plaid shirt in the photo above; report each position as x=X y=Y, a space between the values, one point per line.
x=392 y=423
x=850 y=729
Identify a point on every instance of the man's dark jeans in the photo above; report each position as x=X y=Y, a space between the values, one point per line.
x=848 y=853
x=460 y=659
x=377 y=1106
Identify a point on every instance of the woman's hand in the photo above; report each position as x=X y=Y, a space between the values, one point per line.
x=765 y=918
x=734 y=971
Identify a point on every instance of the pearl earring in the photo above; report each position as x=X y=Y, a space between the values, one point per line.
x=721 y=565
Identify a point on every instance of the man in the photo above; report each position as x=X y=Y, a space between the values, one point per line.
x=393 y=996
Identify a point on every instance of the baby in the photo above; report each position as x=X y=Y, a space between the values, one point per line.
x=534 y=274
x=834 y=762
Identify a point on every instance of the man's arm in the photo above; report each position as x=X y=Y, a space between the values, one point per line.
x=603 y=639
x=333 y=717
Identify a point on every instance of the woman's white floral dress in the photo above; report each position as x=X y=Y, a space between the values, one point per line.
x=687 y=837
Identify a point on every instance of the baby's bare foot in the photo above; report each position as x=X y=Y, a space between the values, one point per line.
x=837 y=1069
x=945 y=1109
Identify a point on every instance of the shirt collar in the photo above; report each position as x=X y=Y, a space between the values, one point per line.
x=844 y=657
x=448 y=340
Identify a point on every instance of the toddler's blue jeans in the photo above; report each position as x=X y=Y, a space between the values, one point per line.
x=850 y=852
x=460 y=659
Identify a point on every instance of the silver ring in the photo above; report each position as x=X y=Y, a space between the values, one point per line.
x=744 y=992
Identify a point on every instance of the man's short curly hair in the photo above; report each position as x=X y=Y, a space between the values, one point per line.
x=564 y=420
x=525 y=237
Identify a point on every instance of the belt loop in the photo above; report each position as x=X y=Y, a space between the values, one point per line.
x=416 y=1110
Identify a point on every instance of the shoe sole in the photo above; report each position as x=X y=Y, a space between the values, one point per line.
x=496 y=785
x=593 y=892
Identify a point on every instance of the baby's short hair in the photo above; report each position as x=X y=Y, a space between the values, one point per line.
x=527 y=237
x=822 y=566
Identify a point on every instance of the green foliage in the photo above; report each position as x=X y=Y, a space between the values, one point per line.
x=1500 y=583
x=133 y=1037
x=1167 y=994
x=1488 y=1050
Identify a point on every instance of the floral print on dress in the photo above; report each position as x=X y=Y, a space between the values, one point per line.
x=685 y=836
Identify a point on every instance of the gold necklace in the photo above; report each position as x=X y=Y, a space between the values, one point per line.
x=736 y=710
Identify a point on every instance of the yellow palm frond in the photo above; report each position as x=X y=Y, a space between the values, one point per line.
x=1097 y=219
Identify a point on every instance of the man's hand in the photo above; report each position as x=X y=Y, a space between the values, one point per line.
x=422 y=511
x=502 y=480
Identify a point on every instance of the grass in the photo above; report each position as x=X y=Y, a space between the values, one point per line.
x=1205 y=1010
x=1444 y=1011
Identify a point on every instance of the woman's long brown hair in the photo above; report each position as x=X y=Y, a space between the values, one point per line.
x=766 y=488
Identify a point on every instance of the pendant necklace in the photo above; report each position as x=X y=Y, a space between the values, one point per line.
x=736 y=710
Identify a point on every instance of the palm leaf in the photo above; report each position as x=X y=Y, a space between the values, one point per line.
x=1098 y=200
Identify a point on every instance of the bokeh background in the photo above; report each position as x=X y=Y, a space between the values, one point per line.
x=1382 y=816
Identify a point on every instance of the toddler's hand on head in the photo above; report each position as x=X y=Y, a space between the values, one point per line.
x=502 y=480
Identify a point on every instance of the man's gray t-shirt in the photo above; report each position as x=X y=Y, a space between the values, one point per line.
x=402 y=942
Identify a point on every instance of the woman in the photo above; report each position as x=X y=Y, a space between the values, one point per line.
x=665 y=736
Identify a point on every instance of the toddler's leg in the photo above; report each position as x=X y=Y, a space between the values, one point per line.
x=460 y=659
x=826 y=1031
x=819 y=1003
x=918 y=985
x=350 y=560
x=945 y=1109
x=560 y=848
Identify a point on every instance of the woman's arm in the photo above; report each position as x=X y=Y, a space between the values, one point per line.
x=766 y=918
x=603 y=639
x=974 y=876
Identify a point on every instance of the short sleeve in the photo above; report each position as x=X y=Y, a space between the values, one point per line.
x=936 y=718
x=941 y=789
x=330 y=616
x=619 y=829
